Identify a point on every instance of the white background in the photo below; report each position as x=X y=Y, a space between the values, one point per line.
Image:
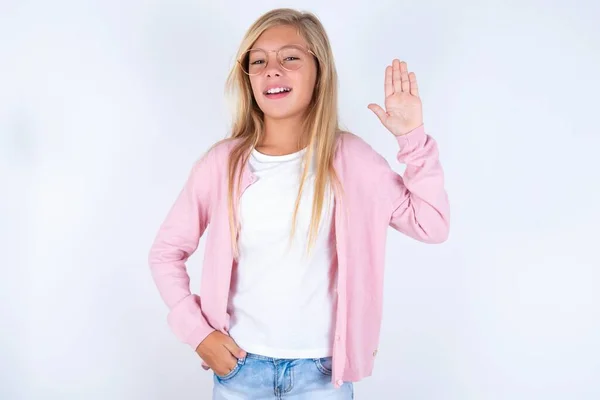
x=105 y=105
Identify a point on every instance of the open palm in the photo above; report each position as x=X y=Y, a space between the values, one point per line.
x=403 y=109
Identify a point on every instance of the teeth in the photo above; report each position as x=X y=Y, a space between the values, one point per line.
x=278 y=90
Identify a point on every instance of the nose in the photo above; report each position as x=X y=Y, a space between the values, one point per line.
x=273 y=67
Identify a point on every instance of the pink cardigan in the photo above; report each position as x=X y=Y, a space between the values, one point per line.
x=375 y=197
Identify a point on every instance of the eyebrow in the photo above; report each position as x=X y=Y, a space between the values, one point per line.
x=288 y=44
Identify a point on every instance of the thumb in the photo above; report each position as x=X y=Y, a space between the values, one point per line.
x=380 y=112
x=234 y=349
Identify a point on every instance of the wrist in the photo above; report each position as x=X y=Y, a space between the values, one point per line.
x=409 y=130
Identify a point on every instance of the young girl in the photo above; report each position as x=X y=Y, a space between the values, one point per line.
x=290 y=300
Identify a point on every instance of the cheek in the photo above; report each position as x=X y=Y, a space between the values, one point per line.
x=256 y=85
x=306 y=83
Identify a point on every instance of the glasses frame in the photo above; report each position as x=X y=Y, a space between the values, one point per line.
x=242 y=59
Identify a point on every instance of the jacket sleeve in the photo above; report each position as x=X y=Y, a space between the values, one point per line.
x=419 y=204
x=177 y=238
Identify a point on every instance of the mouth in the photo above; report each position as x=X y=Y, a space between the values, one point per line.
x=277 y=92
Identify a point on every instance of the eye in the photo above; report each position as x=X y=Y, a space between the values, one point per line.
x=257 y=62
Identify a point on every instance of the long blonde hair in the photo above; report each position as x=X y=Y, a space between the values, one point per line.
x=320 y=124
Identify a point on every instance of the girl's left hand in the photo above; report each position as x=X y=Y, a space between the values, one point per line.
x=403 y=111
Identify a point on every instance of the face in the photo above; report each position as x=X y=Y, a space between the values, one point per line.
x=298 y=83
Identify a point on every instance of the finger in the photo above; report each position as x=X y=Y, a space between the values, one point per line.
x=396 y=76
x=414 y=88
x=380 y=112
x=404 y=77
x=229 y=366
x=234 y=349
x=389 y=87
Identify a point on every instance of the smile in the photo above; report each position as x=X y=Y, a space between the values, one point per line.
x=277 y=92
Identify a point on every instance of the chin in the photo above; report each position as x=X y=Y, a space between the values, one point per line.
x=280 y=112
x=290 y=107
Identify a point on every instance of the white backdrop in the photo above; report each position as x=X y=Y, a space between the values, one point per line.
x=105 y=105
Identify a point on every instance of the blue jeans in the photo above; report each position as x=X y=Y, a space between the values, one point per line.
x=258 y=377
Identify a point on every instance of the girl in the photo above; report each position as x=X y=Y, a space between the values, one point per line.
x=291 y=290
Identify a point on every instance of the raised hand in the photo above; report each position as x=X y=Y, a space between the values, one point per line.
x=403 y=109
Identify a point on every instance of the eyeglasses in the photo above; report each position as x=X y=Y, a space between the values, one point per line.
x=290 y=57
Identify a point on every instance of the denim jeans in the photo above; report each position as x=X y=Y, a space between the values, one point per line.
x=258 y=377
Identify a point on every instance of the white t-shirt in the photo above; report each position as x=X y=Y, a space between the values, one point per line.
x=281 y=300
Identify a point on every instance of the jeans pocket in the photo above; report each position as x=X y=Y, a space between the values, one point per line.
x=324 y=365
x=233 y=372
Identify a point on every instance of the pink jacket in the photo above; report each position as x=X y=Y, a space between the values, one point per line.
x=376 y=197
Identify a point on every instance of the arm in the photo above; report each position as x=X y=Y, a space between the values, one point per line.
x=176 y=240
x=419 y=204
x=418 y=201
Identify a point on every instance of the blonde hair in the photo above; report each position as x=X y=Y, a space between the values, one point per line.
x=320 y=125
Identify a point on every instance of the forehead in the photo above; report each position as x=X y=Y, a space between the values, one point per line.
x=278 y=36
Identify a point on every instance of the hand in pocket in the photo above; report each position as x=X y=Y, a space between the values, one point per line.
x=220 y=352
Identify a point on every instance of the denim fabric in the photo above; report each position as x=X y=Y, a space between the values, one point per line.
x=258 y=377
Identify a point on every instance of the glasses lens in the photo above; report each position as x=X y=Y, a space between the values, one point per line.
x=254 y=61
x=292 y=57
